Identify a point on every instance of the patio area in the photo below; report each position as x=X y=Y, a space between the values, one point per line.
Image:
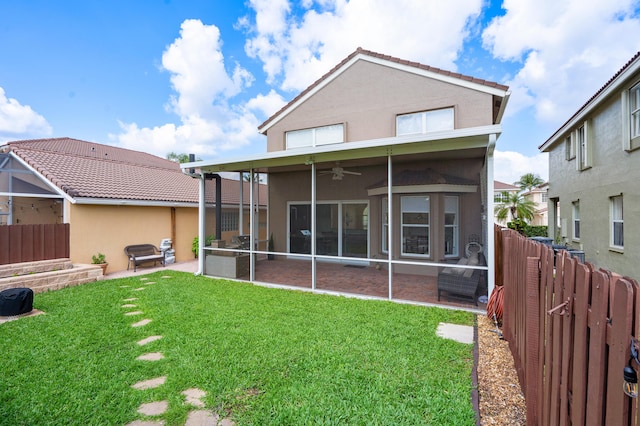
x=356 y=279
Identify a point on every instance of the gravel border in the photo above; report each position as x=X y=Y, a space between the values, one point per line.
x=501 y=401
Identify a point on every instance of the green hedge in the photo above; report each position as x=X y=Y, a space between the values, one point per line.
x=528 y=230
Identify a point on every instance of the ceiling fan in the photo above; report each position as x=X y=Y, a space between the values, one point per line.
x=338 y=172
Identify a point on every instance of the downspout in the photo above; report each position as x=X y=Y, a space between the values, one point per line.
x=491 y=263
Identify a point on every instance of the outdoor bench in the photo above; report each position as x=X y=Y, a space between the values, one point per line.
x=141 y=253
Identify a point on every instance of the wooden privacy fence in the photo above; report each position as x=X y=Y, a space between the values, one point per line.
x=570 y=328
x=26 y=243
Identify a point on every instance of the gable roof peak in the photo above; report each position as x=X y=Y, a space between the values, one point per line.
x=361 y=53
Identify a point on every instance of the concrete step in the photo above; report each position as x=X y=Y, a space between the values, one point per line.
x=35 y=267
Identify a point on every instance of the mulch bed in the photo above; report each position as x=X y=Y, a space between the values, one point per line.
x=501 y=401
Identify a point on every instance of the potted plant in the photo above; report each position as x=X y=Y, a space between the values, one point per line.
x=195 y=243
x=99 y=259
x=270 y=255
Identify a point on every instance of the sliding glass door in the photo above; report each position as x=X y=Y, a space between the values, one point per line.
x=342 y=229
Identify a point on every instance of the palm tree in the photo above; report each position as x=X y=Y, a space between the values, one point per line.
x=529 y=181
x=516 y=206
x=179 y=158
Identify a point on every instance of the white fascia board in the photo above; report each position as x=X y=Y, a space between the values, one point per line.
x=51 y=185
x=613 y=87
x=351 y=150
x=380 y=61
x=126 y=202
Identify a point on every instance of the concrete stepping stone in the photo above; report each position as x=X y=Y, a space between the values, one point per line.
x=141 y=323
x=146 y=423
x=133 y=313
x=149 y=340
x=151 y=356
x=166 y=276
x=459 y=333
x=193 y=396
x=150 y=282
x=139 y=289
x=153 y=408
x=144 y=279
x=128 y=305
x=201 y=418
x=226 y=422
x=150 y=384
x=124 y=286
x=131 y=299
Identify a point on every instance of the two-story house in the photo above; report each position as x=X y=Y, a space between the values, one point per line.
x=380 y=164
x=500 y=191
x=593 y=174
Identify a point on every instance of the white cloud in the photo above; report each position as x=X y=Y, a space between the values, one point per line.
x=509 y=166
x=295 y=52
x=568 y=50
x=17 y=120
x=203 y=89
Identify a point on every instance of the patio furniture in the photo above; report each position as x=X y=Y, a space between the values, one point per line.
x=462 y=283
x=143 y=253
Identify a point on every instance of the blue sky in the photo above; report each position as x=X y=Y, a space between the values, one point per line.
x=200 y=76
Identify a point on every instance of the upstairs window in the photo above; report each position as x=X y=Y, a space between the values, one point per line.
x=631 y=118
x=317 y=136
x=617 y=223
x=583 y=146
x=570 y=147
x=634 y=110
x=424 y=122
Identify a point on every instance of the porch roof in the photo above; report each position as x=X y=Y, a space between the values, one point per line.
x=459 y=143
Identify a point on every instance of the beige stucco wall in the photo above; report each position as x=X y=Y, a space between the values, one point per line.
x=108 y=229
x=614 y=172
x=367 y=97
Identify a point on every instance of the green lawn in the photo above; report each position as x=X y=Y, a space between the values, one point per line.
x=264 y=356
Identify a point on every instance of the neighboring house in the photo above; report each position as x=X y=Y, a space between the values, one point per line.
x=594 y=169
x=111 y=197
x=381 y=161
x=498 y=198
x=538 y=196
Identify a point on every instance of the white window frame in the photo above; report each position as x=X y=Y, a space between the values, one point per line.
x=570 y=147
x=631 y=118
x=230 y=222
x=384 y=241
x=583 y=147
x=575 y=220
x=316 y=136
x=426 y=225
x=455 y=227
x=429 y=121
x=617 y=221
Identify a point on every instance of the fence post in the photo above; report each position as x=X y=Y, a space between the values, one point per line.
x=532 y=339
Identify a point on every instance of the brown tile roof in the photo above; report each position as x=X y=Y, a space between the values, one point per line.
x=360 y=50
x=501 y=186
x=91 y=170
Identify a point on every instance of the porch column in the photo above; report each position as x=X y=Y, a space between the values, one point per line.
x=313 y=225
x=491 y=263
x=241 y=205
x=201 y=218
x=390 y=222
x=252 y=264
